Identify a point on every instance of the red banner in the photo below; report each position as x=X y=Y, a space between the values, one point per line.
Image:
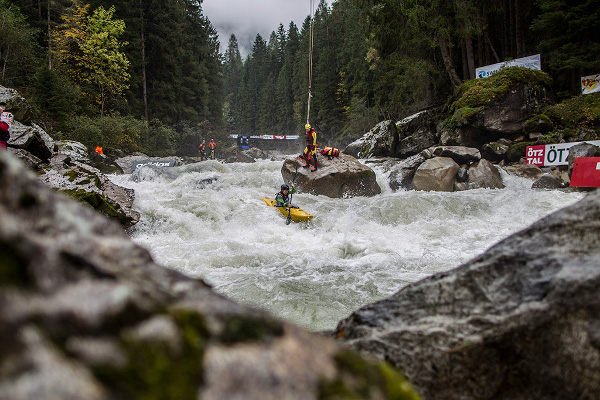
x=586 y=172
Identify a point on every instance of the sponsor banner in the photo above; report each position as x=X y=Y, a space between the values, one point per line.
x=268 y=137
x=590 y=84
x=159 y=163
x=586 y=172
x=532 y=62
x=552 y=154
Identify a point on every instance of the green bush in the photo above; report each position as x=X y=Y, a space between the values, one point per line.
x=124 y=133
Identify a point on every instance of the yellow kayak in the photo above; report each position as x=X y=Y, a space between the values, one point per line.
x=297 y=214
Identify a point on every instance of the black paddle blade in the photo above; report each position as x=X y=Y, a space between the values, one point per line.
x=288 y=220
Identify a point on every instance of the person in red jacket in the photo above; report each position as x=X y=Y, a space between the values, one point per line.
x=212 y=146
x=6 y=120
x=311 y=147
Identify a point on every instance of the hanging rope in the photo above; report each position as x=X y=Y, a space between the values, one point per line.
x=310 y=56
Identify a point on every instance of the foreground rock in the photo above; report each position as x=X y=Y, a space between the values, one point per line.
x=85 y=313
x=343 y=176
x=521 y=321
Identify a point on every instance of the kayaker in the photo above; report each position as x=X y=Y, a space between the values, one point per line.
x=282 y=199
x=311 y=147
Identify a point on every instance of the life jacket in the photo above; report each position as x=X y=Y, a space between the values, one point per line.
x=212 y=145
x=99 y=150
x=330 y=151
x=311 y=138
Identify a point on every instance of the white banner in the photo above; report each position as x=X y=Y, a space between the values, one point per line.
x=590 y=84
x=532 y=62
x=552 y=154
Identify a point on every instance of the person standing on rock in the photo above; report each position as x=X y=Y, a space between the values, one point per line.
x=212 y=146
x=6 y=120
x=202 y=151
x=311 y=147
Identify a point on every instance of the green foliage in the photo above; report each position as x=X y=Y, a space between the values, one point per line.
x=124 y=133
x=480 y=92
x=55 y=98
x=17 y=46
x=582 y=111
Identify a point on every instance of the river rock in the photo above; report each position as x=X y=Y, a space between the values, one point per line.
x=581 y=150
x=32 y=139
x=460 y=154
x=548 y=181
x=525 y=170
x=87 y=314
x=381 y=141
x=495 y=151
x=343 y=176
x=436 y=174
x=90 y=186
x=521 y=321
x=12 y=101
x=484 y=175
x=402 y=172
x=416 y=133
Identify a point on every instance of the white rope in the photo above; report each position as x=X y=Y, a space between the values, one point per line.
x=310 y=56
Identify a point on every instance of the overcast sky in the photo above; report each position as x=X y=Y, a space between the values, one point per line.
x=246 y=18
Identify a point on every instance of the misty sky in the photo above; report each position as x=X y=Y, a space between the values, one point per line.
x=246 y=18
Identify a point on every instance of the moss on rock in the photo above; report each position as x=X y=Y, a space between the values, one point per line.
x=244 y=328
x=98 y=203
x=359 y=378
x=480 y=92
x=153 y=371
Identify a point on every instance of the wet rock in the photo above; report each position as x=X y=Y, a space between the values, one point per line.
x=460 y=154
x=581 y=150
x=520 y=321
x=548 y=181
x=525 y=171
x=484 y=175
x=381 y=141
x=342 y=176
x=436 y=174
x=32 y=139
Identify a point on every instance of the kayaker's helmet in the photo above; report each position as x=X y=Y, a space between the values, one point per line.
x=307 y=127
x=284 y=187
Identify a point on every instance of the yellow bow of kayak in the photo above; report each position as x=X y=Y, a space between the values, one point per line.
x=297 y=214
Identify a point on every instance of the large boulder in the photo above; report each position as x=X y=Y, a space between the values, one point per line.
x=381 y=141
x=343 y=176
x=436 y=174
x=402 y=172
x=12 y=101
x=581 y=150
x=88 y=185
x=87 y=314
x=416 y=133
x=521 y=321
x=484 y=175
x=32 y=139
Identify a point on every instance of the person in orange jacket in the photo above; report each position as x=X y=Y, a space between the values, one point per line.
x=212 y=146
x=311 y=147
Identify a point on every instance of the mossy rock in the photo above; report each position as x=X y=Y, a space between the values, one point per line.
x=481 y=92
x=98 y=203
x=359 y=378
x=153 y=371
x=577 y=113
x=539 y=123
x=517 y=151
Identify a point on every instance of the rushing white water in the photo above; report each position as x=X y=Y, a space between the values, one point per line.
x=207 y=220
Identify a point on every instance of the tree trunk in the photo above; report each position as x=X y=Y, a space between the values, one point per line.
x=470 y=56
x=144 y=85
x=519 y=29
x=454 y=79
x=49 y=39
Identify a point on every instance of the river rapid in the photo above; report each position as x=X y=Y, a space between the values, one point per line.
x=207 y=220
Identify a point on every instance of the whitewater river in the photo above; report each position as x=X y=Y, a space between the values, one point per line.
x=207 y=220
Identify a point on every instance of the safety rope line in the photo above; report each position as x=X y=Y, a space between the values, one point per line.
x=310 y=57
